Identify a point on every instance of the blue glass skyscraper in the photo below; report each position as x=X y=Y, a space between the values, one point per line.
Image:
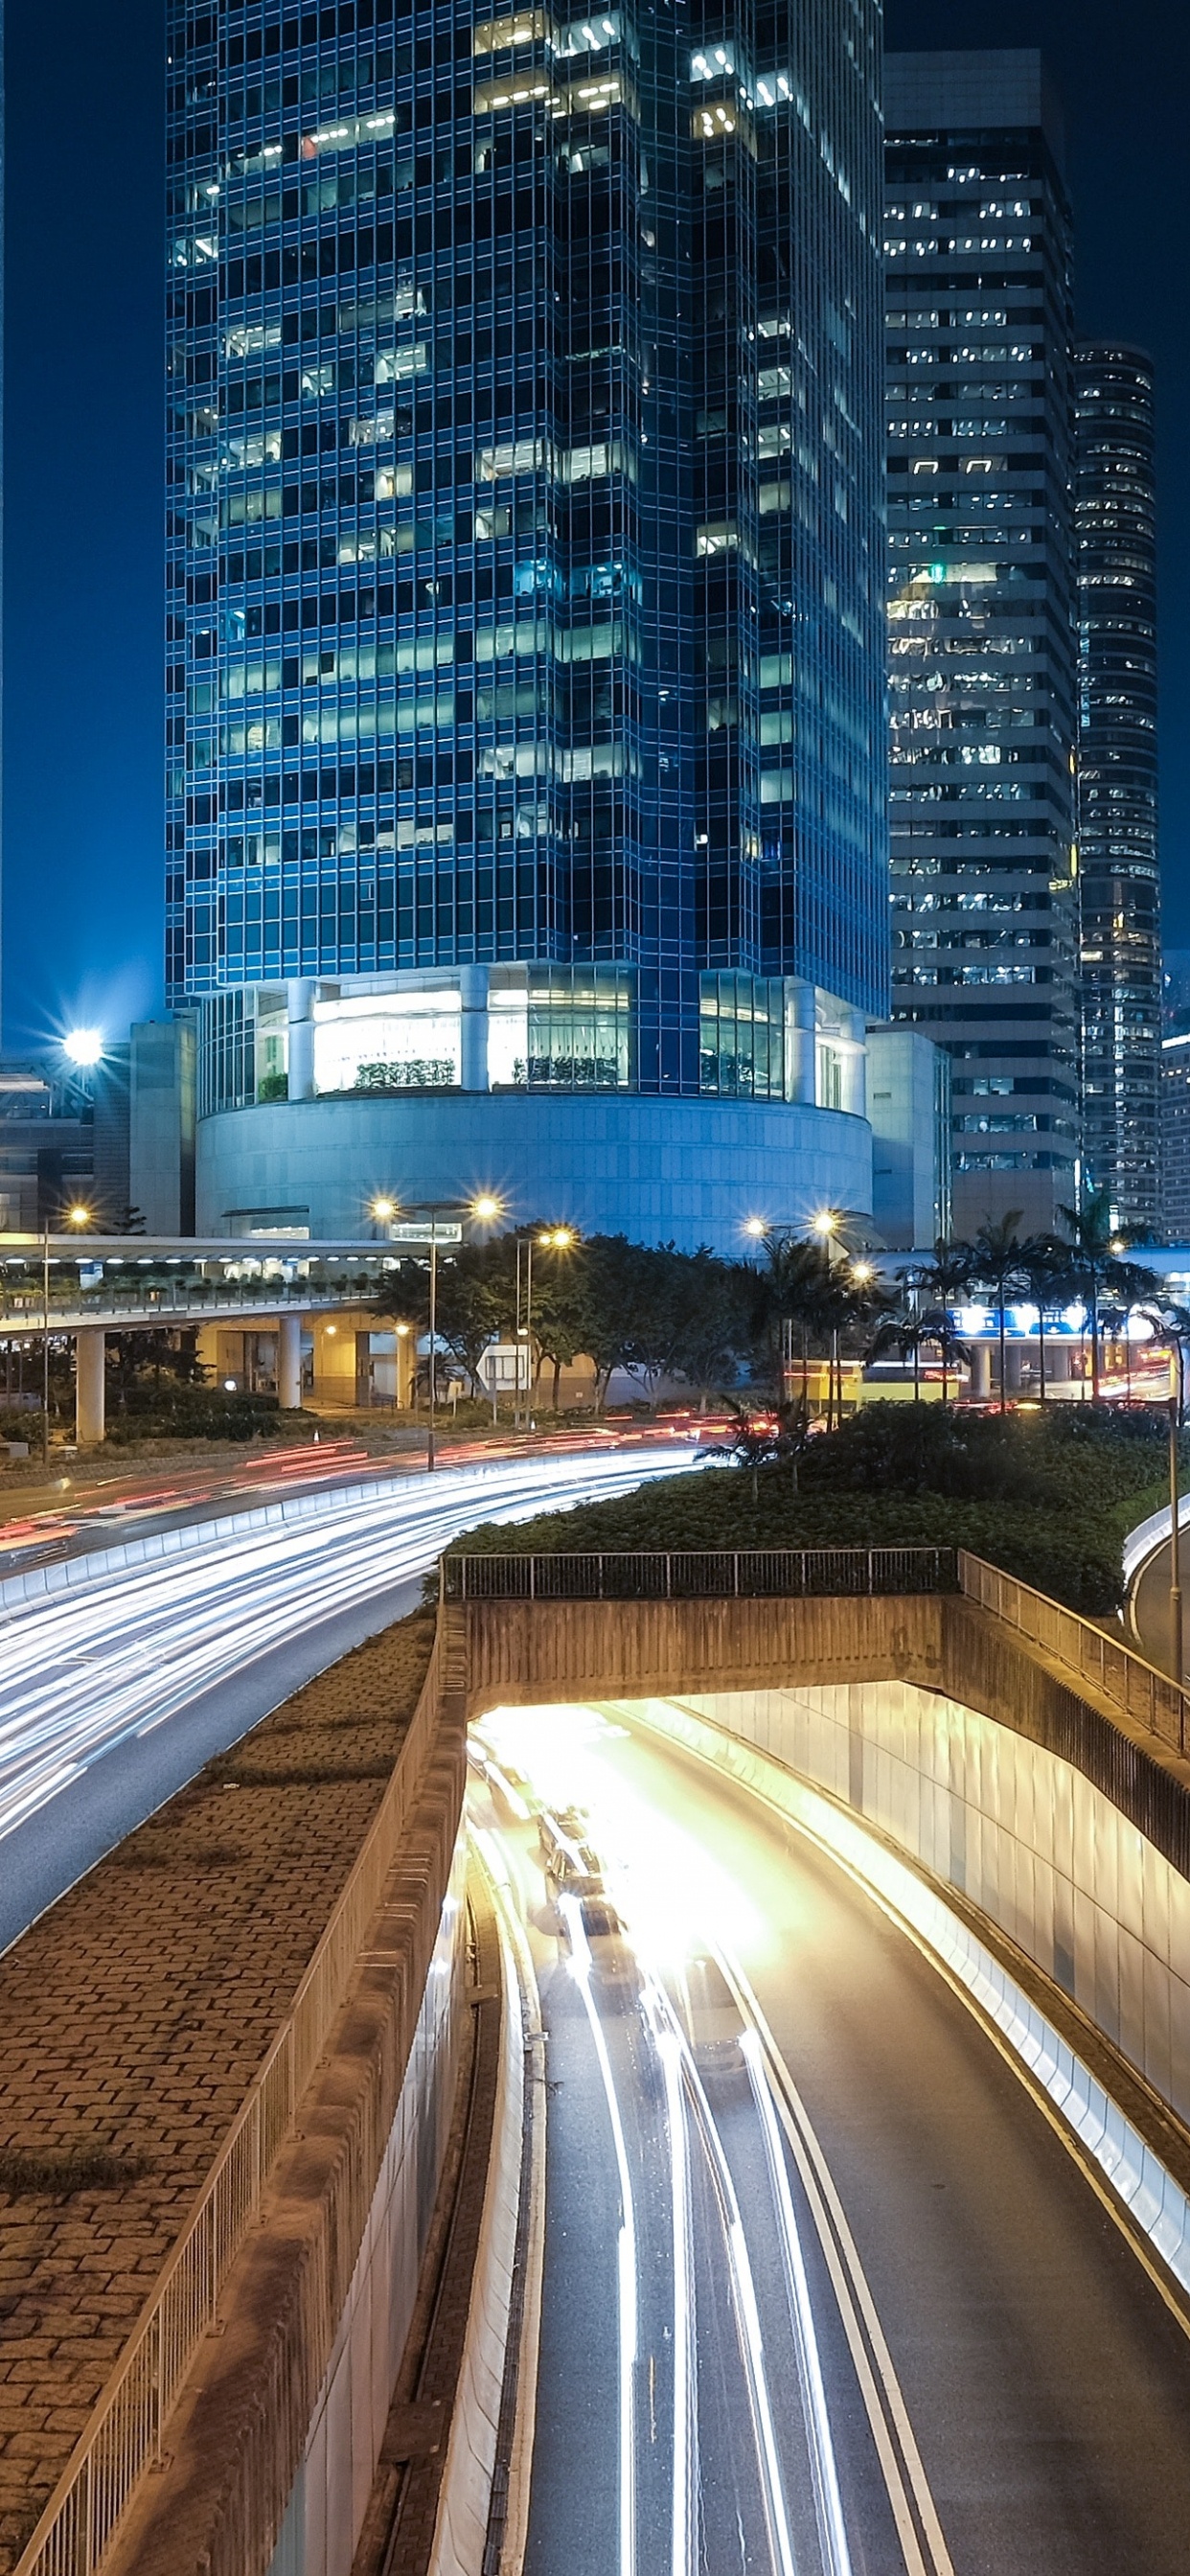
x=526 y=745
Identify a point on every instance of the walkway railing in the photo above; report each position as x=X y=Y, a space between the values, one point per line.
x=124 y=2437
x=1135 y=1688
x=702 y=1574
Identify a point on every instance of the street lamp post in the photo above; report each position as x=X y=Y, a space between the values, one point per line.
x=485 y=1209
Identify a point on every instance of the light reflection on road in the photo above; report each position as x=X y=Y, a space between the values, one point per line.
x=730 y=2461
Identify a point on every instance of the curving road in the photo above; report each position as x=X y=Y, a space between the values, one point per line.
x=848 y=2310
x=1148 y=1605
x=113 y=1694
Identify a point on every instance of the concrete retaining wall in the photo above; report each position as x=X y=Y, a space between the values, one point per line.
x=1043 y=1853
x=330 y=2496
x=304 y=2330
x=1155 y=2198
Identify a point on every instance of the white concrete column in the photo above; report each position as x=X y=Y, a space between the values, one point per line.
x=289 y=1363
x=89 y=1419
x=801 y=1071
x=1057 y=1360
x=473 y=985
x=300 y=997
x=1014 y=1367
x=981 y=1372
x=855 y=1066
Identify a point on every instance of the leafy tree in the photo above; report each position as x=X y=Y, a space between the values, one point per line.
x=471 y=1307
x=559 y=1309
x=611 y=1281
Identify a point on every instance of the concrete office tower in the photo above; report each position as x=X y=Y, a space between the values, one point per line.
x=982 y=631
x=527 y=744
x=1115 y=514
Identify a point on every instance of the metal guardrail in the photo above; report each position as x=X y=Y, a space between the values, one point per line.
x=1135 y=1688
x=124 y=2437
x=703 y=1574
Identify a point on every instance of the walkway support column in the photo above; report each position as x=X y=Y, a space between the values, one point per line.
x=981 y=1372
x=289 y=1363
x=90 y=1349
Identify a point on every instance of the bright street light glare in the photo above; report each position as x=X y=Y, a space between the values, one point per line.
x=557 y=1238
x=83 y=1046
x=384 y=1210
x=78 y=1215
x=756 y=1226
x=862 y=1270
x=826 y=1222
x=486 y=1209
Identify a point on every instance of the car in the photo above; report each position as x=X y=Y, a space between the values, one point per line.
x=711 y=2020
x=563 y=1824
x=570 y=1862
x=590 y=1928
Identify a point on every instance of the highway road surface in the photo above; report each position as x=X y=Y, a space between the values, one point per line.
x=824 y=2294
x=114 y=1694
x=1149 y=1605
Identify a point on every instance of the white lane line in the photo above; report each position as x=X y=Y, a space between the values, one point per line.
x=828 y=2503
x=580 y=1965
x=852 y=2291
x=684 y=2516
x=744 y=2301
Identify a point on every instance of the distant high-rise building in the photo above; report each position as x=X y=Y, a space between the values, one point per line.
x=1115 y=509
x=527 y=751
x=983 y=664
x=1174 y=1098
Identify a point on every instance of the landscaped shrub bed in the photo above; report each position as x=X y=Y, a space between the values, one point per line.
x=1048 y=1496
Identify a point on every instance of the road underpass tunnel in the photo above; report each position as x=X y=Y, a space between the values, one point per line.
x=89 y=1408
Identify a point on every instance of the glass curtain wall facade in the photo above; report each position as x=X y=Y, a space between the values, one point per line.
x=1115 y=507
x=982 y=616
x=525 y=538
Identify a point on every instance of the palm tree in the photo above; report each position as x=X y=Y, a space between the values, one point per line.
x=936 y=1327
x=1096 y=1247
x=797 y=1287
x=998 y=1254
x=949 y=1274
x=1044 y=1265
x=1171 y=1325
x=1092 y=1235
x=777 y=1437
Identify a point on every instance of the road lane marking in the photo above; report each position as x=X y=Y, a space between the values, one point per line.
x=744 y=2301
x=580 y=1964
x=828 y=2504
x=886 y=2408
x=683 y=2525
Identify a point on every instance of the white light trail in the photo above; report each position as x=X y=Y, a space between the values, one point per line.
x=743 y=2290
x=832 y=2530
x=684 y=2520
x=103 y=1664
x=626 y=2247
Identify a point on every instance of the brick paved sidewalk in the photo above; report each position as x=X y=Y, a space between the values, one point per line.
x=133 y=2019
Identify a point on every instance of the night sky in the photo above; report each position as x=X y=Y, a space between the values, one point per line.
x=83 y=603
